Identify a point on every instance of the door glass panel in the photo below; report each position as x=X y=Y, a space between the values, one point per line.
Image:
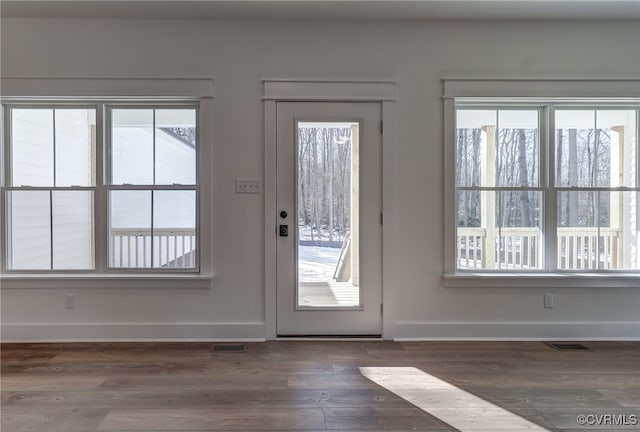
x=328 y=208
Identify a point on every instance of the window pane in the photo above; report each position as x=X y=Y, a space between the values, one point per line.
x=175 y=146
x=497 y=148
x=130 y=229
x=474 y=128
x=132 y=146
x=598 y=230
x=72 y=230
x=75 y=146
x=622 y=247
x=29 y=230
x=517 y=148
x=578 y=214
x=174 y=229
x=617 y=141
x=499 y=230
x=470 y=234
x=32 y=147
x=595 y=148
x=519 y=233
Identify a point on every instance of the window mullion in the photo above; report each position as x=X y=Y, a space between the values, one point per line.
x=152 y=235
x=153 y=133
x=100 y=203
x=548 y=155
x=51 y=226
x=53 y=113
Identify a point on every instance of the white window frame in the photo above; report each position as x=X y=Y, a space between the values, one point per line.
x=536 y=94
x=109 y=186
x=7 y=187
x=103 y=94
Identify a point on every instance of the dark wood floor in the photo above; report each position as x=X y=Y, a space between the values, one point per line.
x=302 y=385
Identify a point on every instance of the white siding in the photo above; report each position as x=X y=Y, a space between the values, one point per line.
x=133 y=157
x=32 y=147
x=72 y=230
x=74 y=147
x=30 y=230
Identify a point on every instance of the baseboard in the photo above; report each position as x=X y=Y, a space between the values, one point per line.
x=133 y=332
x=255 y=332
x=556 y=331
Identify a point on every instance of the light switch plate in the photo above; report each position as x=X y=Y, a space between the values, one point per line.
x=248 y=186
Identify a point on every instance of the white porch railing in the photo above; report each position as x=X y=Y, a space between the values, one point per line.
x=173 y=248
x=520 y=248
x=578 y=248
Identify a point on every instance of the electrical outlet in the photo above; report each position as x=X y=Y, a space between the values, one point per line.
x=248 y=186
x=548 y=301
x=69 y=301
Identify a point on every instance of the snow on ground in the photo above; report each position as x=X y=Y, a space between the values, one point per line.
x=317 y=264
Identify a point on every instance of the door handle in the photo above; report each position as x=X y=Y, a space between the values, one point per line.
x=283 y=214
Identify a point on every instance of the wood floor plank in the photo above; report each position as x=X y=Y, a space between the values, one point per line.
x=27 y=382
x=39 y=420
x=199 y=399
x=212 y=419
x=218 y=381
x=331 y=382
x=381 y=418
x=492 y=419
x=550 y=380
x=25 y=356
x=192 y=368
x=623 y=397
x=548 y=398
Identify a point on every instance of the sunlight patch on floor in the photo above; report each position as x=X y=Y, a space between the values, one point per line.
x=450 y=404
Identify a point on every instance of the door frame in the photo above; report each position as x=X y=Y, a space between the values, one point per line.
x=276 y=90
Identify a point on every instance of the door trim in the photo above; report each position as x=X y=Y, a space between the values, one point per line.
x=380 y=91
x=323 y=91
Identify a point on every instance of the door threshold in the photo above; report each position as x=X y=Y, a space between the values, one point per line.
x=330 y=337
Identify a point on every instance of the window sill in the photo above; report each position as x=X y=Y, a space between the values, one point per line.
x=541 y=280
x=67 y=281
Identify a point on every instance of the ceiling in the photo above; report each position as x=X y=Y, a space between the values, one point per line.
x=324 y=9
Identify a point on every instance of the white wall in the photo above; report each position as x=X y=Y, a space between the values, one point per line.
x=240 y=54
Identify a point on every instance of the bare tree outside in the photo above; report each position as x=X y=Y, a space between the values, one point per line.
x=324 y=182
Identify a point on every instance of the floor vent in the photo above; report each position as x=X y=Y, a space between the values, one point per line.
x=568 y=346
x=229 y=348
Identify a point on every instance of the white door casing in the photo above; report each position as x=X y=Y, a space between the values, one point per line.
x=311 y=298
x=284 y=90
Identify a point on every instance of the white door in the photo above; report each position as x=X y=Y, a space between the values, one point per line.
x=329 y=233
